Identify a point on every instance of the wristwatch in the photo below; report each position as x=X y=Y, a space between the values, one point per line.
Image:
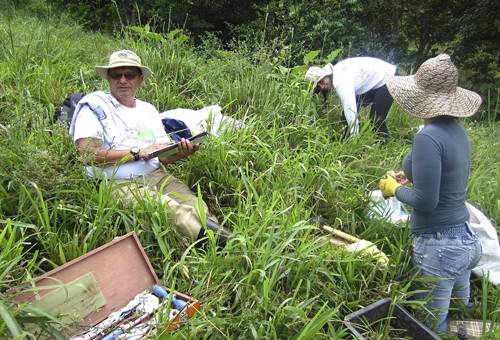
x=135 y=152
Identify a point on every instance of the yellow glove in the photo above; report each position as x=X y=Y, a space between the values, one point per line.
x=388 y=186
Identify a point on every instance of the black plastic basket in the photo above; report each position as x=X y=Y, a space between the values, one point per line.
x=384 y=312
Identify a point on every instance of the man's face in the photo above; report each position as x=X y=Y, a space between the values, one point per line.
x=124 y=82
x=325 y=84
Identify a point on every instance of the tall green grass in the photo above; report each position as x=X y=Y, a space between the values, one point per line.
x=277 y=277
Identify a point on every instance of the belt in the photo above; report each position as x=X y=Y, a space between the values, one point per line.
x=456 y=230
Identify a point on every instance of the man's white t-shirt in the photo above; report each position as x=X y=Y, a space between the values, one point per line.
x=355 y=76
x=130 y=127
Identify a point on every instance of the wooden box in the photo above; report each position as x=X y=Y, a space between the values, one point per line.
x=121 y=270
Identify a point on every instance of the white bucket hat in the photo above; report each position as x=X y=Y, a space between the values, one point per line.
x=433 y=91
x=314 y=74
x=121 y=59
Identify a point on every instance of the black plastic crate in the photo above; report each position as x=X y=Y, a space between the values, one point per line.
x=374 y=317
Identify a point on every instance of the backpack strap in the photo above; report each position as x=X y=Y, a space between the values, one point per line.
x=95 y=108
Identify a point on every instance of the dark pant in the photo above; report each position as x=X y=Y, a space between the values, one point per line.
x=380 y=101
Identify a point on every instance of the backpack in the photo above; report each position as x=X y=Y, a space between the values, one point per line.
x=64 y=113
x=176 y=129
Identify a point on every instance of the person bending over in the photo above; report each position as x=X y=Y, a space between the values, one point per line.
x=357 y=81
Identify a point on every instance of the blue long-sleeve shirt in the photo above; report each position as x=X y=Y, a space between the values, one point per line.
x=438 y=166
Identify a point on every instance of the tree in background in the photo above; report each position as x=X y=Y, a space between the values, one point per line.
x=402 y=32
x=478 y=49
x=163 y=15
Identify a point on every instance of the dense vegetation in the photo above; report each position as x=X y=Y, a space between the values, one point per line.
x=403 y=32
x=277 y=278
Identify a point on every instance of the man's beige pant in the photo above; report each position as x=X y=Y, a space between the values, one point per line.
x=180 y=200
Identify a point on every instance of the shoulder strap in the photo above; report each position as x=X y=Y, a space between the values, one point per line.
x=95 y=108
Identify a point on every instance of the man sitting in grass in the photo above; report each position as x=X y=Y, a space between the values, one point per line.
x=117 y=131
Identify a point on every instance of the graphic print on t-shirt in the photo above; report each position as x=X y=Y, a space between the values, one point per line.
x=145 y=135
x=138 y=135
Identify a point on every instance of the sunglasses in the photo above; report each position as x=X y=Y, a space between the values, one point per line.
x=127 y=75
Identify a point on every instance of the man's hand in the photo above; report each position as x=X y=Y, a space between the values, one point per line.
x=186 y=148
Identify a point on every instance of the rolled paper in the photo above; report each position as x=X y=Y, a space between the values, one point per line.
x=160 y=292
x=113 y=335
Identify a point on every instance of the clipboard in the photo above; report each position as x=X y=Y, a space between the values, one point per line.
x=172 y=149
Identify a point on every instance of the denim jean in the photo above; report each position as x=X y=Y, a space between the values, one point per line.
x=447 y=257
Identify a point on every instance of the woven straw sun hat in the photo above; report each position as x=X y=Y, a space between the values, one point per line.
x=123 y=58
x=433 y=91
x=314 y=74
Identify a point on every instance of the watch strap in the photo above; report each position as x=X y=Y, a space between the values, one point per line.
x=136 y=154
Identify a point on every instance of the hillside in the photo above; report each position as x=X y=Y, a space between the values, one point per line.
x=277 y=278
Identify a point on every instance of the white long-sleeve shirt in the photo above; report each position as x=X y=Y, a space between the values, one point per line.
x=355 y=76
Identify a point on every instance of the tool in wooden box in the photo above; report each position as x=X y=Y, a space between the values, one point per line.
x=351 y=243
x=121 y=324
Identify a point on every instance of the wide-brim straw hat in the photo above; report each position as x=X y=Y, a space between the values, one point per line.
x=123 y=58
x=314 y=74
x=433 y=91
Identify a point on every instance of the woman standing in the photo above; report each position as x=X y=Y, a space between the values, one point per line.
x=444 y=247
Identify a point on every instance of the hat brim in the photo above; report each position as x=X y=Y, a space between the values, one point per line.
x=420 y=103
x=102 y=70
